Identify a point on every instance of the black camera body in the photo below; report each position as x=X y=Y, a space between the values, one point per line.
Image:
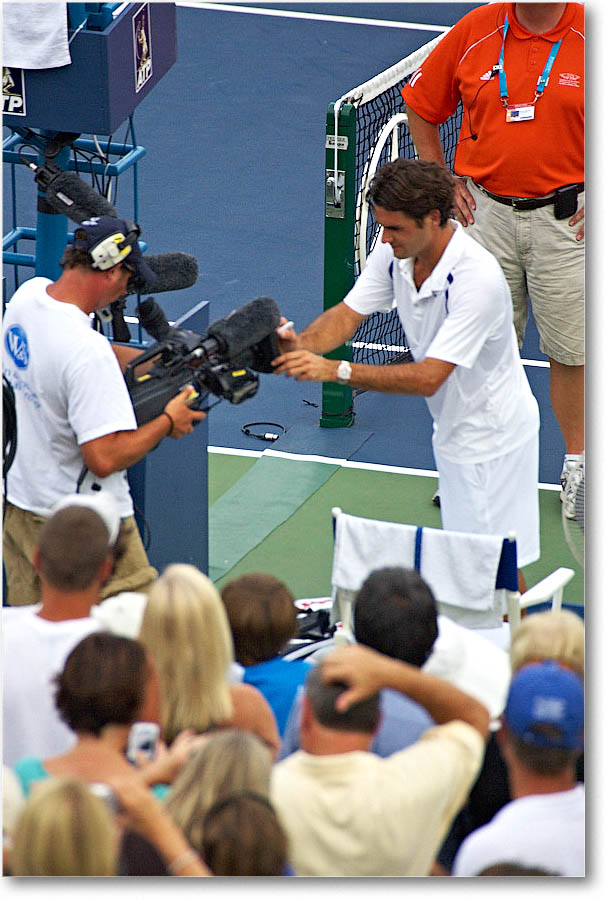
x=219 y=363
x=162 y=371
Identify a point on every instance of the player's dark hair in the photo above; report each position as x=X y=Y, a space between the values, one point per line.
x=395 y=613
x=414 y=187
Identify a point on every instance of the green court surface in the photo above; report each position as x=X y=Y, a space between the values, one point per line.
x=299 y=549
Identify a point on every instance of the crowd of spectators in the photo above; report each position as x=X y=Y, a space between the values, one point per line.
x=388 y=763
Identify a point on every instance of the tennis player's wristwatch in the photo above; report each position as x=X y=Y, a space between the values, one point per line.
x=345 y=370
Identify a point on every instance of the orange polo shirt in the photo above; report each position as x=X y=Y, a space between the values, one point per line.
x=523 y=159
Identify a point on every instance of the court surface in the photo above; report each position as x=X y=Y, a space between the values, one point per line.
x=234 y=175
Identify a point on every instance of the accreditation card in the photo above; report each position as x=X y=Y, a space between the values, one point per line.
x=522 y=113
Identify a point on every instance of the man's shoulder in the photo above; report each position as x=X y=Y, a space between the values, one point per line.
x=471 y=249
x=24 y=620
x=16 y=618
x=517 y=824
x=469 y=258
x=32 y=289
x=473 y=26
x=318 y=765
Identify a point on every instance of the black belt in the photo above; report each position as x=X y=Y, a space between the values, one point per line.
x=525 y=202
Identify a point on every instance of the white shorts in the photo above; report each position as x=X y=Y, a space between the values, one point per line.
x=495 y=497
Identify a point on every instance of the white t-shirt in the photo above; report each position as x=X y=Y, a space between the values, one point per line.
x=34 y=651
x=358 y=814
x=462 y=314
x=546 y=831
x=69 y=389
x=472 y=663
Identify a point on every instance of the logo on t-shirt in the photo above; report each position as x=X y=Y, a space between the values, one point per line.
x=17 y=346
x=569 y=79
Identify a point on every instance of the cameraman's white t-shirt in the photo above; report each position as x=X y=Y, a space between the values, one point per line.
x=69 y=389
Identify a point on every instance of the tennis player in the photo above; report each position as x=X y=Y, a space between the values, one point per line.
x=455 y=308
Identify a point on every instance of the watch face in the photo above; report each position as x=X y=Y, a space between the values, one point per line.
x=344 y=370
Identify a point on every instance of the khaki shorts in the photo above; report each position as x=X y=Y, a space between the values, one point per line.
x=498 y=496
x=21 y=528
x=542 y=261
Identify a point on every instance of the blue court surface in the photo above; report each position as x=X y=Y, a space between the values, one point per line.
x=234 y=174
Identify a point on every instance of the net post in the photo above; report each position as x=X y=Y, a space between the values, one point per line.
x=339 y=251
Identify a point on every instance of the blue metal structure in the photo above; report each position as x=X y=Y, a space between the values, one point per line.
x=119 y=52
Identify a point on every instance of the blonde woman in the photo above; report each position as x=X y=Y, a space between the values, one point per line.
x=186 y=631
x=66 y=830
x=231 y=761
x=556 y=635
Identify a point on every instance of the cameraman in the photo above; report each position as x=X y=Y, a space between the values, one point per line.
x=74 y=412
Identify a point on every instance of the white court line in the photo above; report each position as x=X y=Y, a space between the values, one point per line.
x=344 y=463
x=539 y=363
x=233 y=451
x=317 y=17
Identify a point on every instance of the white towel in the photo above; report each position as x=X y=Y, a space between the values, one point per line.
x=362 y=545
x=35 y=35
x=459 y=568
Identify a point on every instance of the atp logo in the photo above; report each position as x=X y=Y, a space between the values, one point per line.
x=13 y=92
x=17 y=346
x=142 y=47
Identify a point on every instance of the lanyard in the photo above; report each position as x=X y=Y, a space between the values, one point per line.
x=544 y=77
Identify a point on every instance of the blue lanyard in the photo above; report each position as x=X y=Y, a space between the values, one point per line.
x=543 y=79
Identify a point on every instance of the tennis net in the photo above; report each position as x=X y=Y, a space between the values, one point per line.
x=381 y=136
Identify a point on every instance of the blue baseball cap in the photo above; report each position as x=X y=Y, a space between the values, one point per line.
x=111 y=242
x=546 y=694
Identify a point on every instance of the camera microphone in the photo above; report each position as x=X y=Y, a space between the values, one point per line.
x=153 y=319
x=70 y=195
x=247 y=336
x=174 y=272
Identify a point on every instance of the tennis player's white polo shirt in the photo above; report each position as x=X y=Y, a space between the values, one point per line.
x=462 y=314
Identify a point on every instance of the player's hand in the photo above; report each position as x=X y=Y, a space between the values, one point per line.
x=464 y=202
x=288 y=339
x=183 y=417
x=305 y=366
x=579 y=216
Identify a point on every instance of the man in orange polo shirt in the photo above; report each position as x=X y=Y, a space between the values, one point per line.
x=519 y=166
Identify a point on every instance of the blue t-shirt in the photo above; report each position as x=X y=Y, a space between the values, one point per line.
x=278 y=680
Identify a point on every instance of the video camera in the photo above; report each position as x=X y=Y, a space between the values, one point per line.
x=218 y=363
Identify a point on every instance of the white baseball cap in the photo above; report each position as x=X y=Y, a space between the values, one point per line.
x=103 y=503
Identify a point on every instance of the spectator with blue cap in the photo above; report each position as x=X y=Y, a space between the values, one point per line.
x=76 y=428
x=541 y=739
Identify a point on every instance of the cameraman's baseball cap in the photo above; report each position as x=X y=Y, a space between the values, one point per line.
x=546 y=706
x=112 y=241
